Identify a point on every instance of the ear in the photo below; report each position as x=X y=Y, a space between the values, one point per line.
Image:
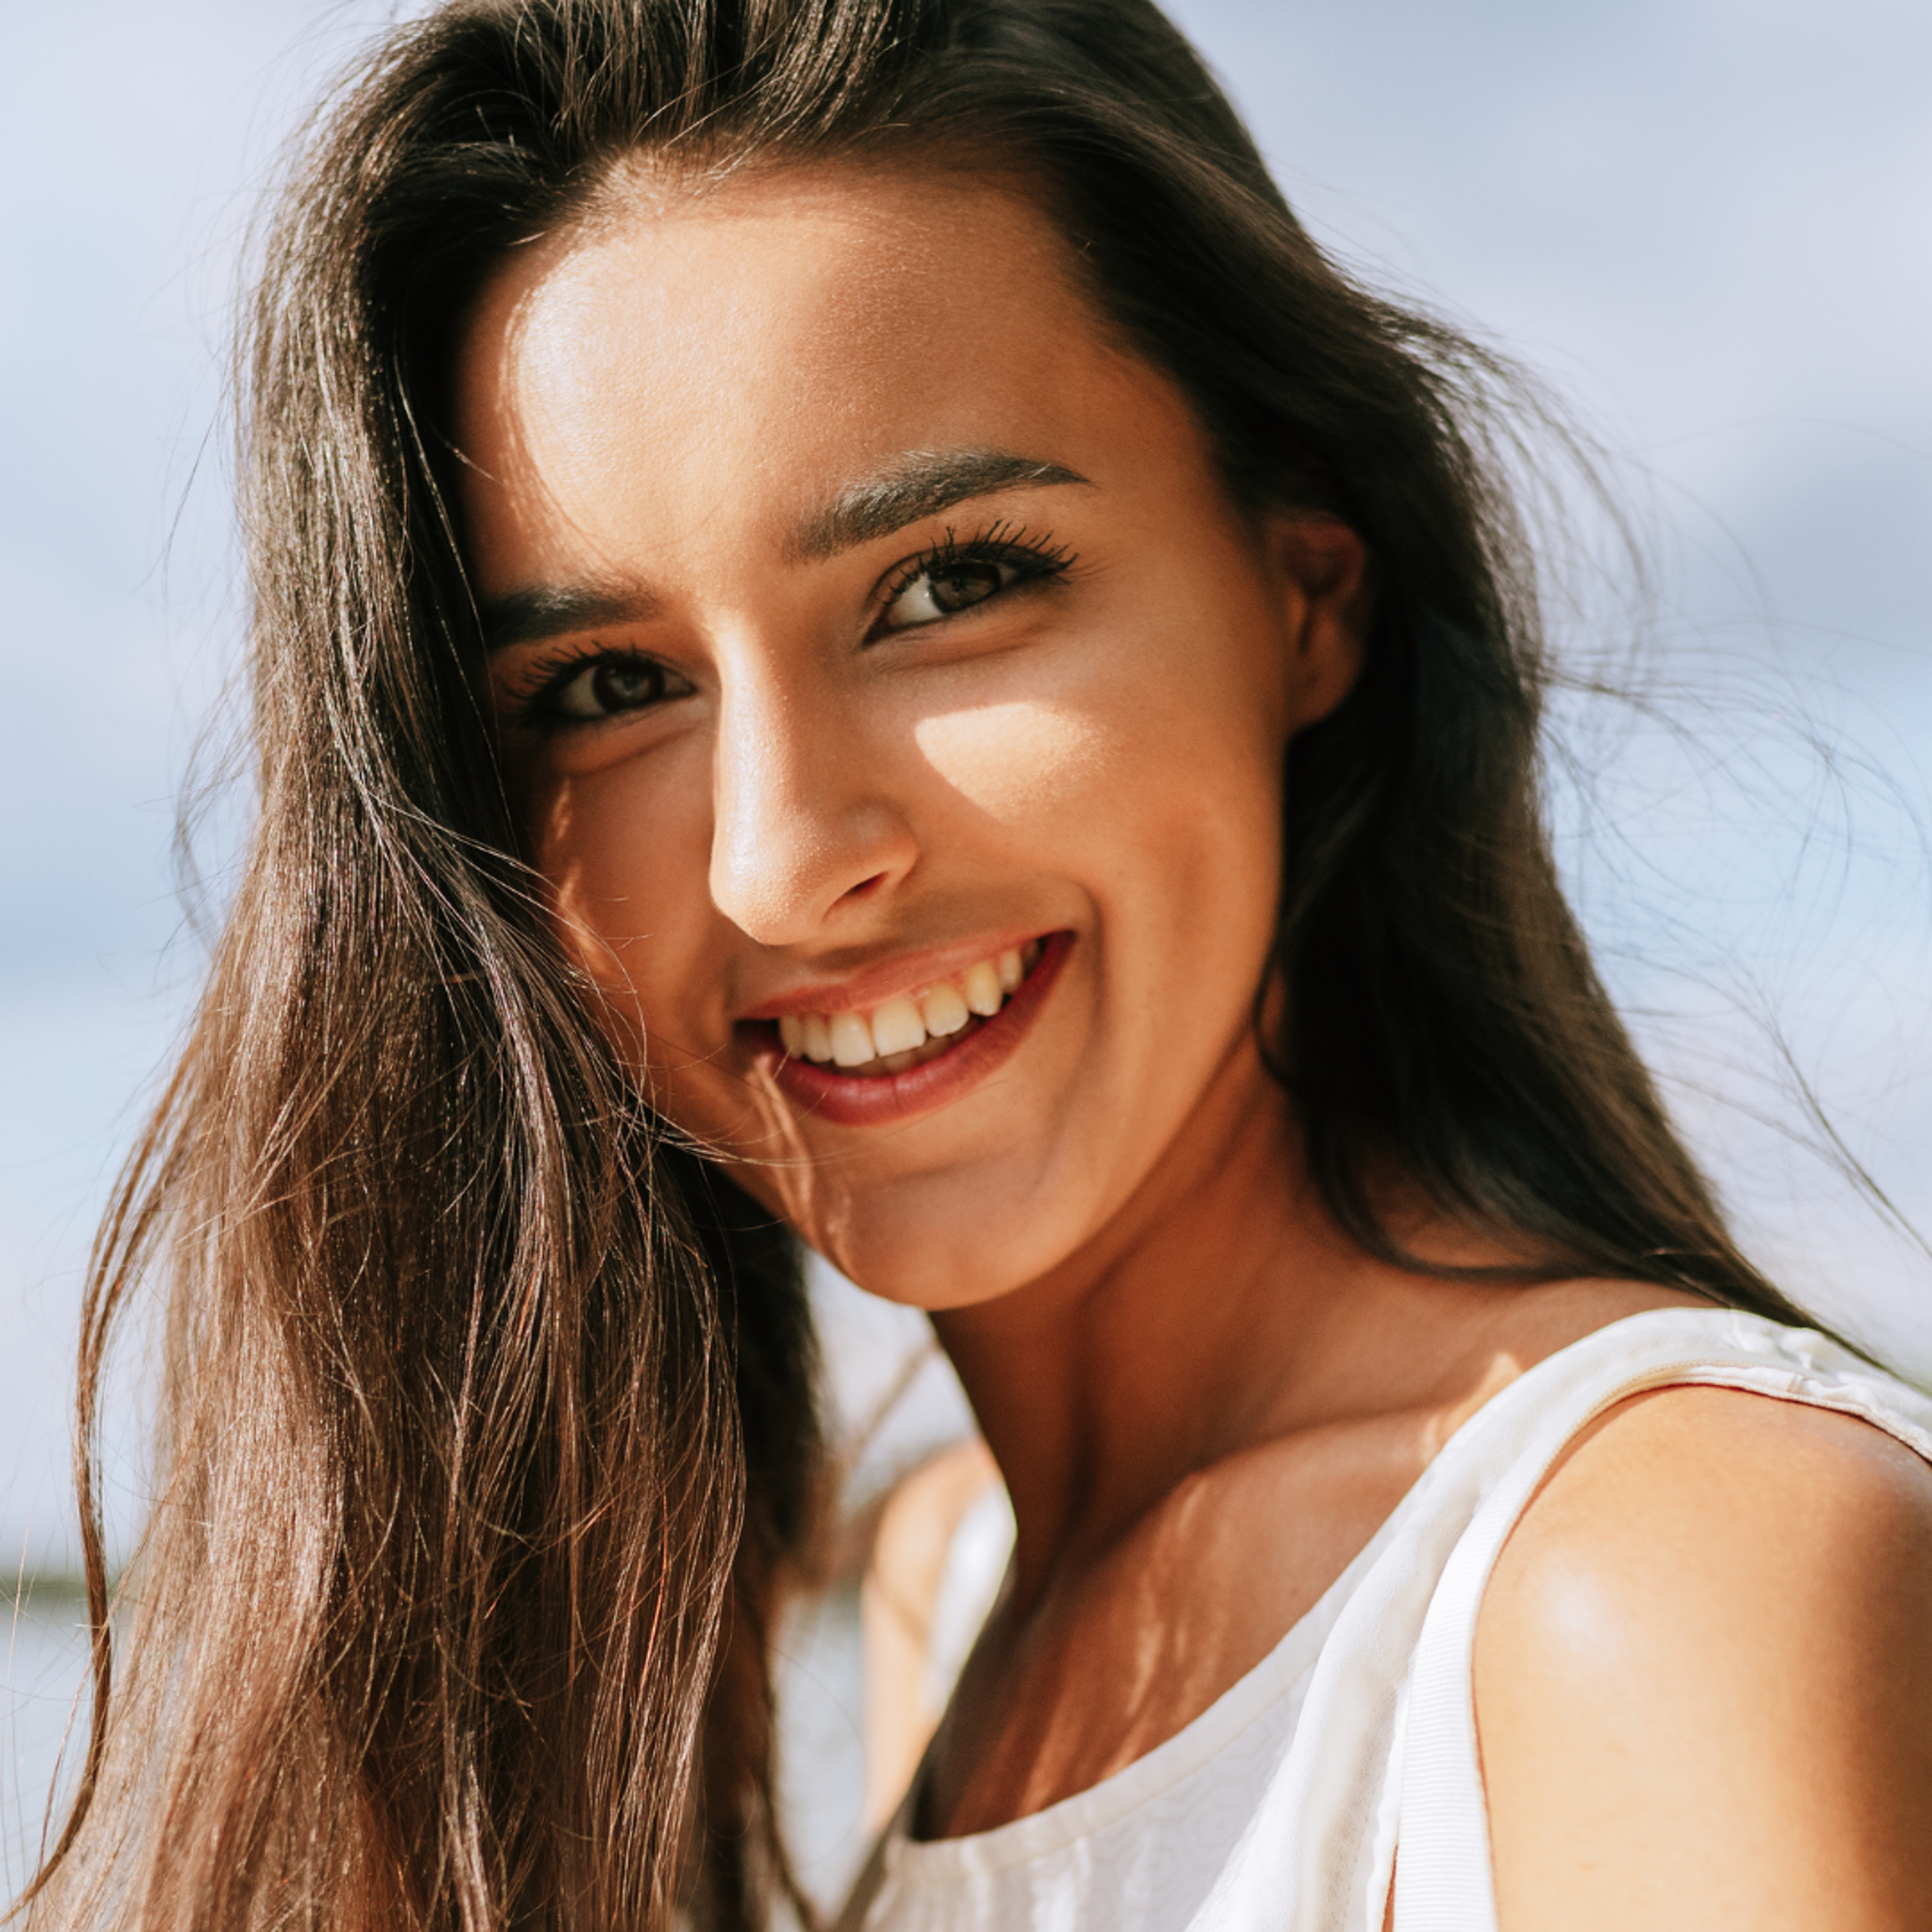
x=1321 y=568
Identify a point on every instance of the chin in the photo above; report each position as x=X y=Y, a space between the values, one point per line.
x=926 y=1261
x=928 y=1272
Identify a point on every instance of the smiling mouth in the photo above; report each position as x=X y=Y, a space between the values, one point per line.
x=908 y=1030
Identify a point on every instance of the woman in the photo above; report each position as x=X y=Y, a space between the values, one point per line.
x=857 y=639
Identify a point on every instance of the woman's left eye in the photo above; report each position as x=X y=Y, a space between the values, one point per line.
x=943 y=586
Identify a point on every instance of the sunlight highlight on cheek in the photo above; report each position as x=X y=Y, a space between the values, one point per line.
x=1015 y=759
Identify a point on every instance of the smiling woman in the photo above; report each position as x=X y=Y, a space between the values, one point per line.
x=905 y=706
x=860 y=643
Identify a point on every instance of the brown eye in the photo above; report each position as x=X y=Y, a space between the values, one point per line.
x=954 y=588
x=609 y=685
x=952 y=578
x=946 y=589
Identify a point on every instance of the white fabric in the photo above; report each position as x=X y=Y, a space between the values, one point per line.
x=1281 y=1806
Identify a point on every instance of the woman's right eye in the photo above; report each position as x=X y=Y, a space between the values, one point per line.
x=606 y=687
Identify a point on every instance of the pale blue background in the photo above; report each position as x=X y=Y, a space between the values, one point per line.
x=1708 y=222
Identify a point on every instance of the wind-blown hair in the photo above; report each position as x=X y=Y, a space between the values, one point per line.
x=488 y=1429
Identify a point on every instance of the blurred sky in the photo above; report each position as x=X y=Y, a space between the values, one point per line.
x=1709 y=223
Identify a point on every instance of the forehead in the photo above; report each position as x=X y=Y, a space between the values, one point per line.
x=738 y=349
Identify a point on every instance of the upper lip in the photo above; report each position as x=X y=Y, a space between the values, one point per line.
x=872 y=986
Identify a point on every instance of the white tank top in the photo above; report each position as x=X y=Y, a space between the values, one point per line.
x=1281 y=1806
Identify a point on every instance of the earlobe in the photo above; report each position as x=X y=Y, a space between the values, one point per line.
x=1322 y=566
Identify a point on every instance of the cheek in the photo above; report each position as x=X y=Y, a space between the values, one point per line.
x=1164 y=767
x=1017 y=761
x=626 y=863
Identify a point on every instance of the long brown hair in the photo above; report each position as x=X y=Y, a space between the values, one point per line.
x=488 y=1422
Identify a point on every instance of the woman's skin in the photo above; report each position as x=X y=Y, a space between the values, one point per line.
x=713 y=439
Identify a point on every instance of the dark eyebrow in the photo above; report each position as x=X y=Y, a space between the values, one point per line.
x=526 y=617
x=921 y=483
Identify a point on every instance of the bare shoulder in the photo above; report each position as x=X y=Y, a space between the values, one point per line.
x=1704 y=1675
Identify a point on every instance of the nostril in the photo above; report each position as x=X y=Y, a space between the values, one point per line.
x=866 y=888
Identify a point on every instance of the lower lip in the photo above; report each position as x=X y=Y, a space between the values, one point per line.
x=849 y=1102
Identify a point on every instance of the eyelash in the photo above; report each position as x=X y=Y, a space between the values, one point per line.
x=539 y=706
x=1036 y=559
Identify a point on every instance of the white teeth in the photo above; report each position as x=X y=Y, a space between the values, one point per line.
x=903 y=1032
x=898 y=1027
x=943 y=1009
x=983 y=995
x=852 y=1040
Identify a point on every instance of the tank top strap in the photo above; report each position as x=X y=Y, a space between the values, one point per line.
x=1439 y=1844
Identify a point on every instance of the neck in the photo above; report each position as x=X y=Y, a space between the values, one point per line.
x=1195 y=1324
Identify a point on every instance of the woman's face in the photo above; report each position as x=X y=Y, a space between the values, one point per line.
x=871 y=631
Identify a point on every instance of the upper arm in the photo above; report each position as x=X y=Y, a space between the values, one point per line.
x=1703 y=1677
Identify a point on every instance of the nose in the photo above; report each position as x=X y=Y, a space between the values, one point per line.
x=806 y=830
